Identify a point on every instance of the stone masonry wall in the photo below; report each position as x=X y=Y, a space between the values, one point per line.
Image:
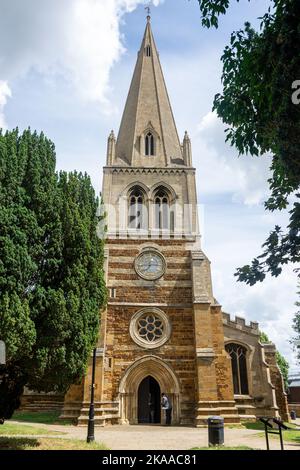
x=277 y=381
x=223 y=363
x=172 y=294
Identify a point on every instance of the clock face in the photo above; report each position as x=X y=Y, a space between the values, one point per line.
x=150 y=265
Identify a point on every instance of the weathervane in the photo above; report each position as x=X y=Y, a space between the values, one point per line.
x=148 y=8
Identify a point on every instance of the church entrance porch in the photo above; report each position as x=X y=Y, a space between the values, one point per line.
x=149 y=375
x=149 y=401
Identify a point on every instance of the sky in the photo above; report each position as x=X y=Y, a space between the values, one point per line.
x=66 y=67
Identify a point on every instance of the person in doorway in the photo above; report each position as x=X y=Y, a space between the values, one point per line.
x=167 y=407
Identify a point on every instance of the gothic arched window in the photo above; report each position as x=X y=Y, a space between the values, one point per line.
x=149 y=145
x=136 y=210
x=164 y=216
x=238 y=356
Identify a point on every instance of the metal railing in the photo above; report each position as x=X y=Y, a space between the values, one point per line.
x=269 y=429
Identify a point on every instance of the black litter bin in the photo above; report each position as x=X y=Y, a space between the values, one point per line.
x=293 y=414
x=215 y=431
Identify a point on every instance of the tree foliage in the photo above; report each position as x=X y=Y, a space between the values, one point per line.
x=211 y=10
x=51 y=277
x=281 y=361
x=296 y=327
x=259 y=72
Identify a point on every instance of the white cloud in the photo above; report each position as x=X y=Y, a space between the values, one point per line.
x=233 y=237
x=5 y=93
x=208 y=122
x=271 y=303
x=245 y=176
x=220 y=170
x=234 y=223
x=77 y=39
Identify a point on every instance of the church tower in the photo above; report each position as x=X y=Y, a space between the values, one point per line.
x=163 y=330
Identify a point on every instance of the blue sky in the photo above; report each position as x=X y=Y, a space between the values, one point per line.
x=65 y=68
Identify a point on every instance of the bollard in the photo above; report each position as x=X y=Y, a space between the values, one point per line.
x=215 y=431
x=293 y=415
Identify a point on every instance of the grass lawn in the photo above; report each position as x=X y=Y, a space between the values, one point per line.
x=289 y=436
x=223 y=448
x=24 y=443
x=13 y=429
x=44 y=417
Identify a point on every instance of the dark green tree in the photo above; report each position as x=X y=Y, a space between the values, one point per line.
x=51 y=269
x=259 y=104
x=281 y=361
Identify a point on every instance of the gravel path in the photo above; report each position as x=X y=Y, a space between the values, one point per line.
x=162 y=438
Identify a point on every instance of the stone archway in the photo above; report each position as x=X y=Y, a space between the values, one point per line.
x=147 y=366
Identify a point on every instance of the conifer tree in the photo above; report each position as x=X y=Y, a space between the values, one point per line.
x=51 y=269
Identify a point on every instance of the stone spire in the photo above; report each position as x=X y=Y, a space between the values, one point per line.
x=148 y=109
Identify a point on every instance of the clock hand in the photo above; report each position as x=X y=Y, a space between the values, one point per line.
x=151 y=264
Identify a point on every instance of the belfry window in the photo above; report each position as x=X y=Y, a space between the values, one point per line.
x=136 y=212
x=164 y=216
x=238 y=356
x=148 y=51
x=149 y=145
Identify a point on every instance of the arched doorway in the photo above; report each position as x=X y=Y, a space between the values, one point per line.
x=149 y=401
x=156 y=368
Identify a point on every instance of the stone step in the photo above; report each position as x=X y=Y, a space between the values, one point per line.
x=86 y=404
x=100 y=407
x=216 y=404
x=228 y=419
x=216 y=411
x=42 y=402
x=100 y=412
x=41 y=405
x=98 y=420
x=44 y=407
x=231 y=408
x=245 y=406
x=248 y=418
x=41 y=399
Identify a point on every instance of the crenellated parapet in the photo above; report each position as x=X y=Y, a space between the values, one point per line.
x=239 y=323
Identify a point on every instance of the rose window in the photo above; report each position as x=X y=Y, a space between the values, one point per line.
x=150 y=328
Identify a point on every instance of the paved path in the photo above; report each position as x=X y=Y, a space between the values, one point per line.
x=162 y=438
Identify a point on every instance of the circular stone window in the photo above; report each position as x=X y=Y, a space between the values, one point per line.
x=150 y=328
